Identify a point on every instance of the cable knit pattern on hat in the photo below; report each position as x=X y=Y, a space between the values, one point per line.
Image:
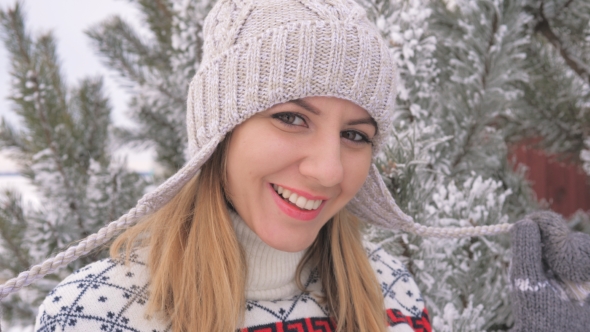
x=259 y=55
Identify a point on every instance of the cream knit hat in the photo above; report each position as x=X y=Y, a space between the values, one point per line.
x=259 y=53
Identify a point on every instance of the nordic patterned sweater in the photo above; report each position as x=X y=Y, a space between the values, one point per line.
x=110 y=296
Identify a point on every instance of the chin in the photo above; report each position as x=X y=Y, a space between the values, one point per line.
x=288 y=248
x=291 y=248
x=288 y=243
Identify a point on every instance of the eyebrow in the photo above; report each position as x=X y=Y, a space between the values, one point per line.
x=305 y=105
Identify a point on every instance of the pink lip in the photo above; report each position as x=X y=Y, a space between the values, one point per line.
x=292 y=210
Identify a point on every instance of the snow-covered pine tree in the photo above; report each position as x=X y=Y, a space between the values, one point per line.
x=556 y=105
x=447 y=164
x=555 y=110
x=476 y=76
x=64 y=147
x=156 y=67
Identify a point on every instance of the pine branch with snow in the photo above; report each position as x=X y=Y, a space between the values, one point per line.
x=64 y=148
x=461 y=65
x=555 y=109
x=156 y=66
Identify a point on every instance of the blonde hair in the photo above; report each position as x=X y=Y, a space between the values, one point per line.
x=197 y=266
x=351 y=289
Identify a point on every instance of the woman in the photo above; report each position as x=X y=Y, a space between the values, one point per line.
x=259 y=230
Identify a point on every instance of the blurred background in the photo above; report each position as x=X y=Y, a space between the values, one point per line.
x=67 y=20
x=492 y=122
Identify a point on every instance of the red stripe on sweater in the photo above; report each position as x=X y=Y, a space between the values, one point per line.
x=419 y=324
x=324 y=324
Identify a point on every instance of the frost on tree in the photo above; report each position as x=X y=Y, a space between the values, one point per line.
x=157 y=70
x=65 y=149
x=475 y=77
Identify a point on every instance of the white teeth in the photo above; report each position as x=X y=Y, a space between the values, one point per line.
x=293 y=198
x=300 y=201
x=286 y=193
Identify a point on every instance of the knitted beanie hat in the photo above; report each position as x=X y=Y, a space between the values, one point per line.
x=259 y=53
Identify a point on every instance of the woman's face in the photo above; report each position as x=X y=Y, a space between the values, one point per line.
x=317 y=148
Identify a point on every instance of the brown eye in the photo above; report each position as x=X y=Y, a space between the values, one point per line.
x=355 y=137
x=290 y=119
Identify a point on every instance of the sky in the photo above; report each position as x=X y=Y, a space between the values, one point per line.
x=67 y=20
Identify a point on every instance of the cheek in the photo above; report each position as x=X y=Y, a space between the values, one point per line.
x=242 y=156
x=254 y=153
x=356 y=171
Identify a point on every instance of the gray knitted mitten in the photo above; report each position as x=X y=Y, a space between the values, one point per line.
x=550 y=275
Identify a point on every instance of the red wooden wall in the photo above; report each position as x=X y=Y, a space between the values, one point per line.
x=563 y=185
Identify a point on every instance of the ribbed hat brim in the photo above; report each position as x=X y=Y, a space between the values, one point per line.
x=309 y=58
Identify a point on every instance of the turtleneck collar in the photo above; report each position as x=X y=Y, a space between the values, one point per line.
x=271 y=272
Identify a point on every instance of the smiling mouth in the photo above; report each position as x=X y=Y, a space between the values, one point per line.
x=296 y=200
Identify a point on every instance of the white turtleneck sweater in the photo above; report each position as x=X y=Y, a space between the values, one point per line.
x=110 y=296
x=270 y=271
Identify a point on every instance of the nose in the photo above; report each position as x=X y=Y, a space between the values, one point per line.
x=323 y=162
